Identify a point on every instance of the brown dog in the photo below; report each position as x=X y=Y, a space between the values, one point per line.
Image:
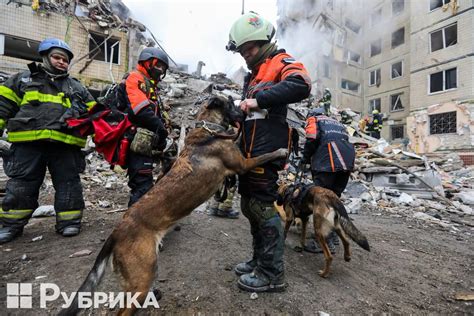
x=208 y=157
x=328 y=212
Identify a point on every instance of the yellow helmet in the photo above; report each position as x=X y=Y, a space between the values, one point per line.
x=375 y=111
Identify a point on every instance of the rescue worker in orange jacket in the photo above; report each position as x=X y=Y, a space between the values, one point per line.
x=139 y=92
x=331 y=155
x=276 y=80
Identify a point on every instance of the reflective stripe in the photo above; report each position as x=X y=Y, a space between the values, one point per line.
x=69 y=215
x=90 y=104
x=9 y=94
x=16 y=214
x=330 y=157
x=25 y=136
x=43 y=98
x=140 y=106
x=2 y=124
x=339 y=156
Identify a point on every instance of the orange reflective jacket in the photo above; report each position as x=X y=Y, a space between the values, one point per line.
x=274 y=70
x=140 y=89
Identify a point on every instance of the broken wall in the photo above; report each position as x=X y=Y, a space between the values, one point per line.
x=418 y=129
x=22 y=22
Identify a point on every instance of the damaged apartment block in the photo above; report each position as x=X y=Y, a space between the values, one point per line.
x=105 y=40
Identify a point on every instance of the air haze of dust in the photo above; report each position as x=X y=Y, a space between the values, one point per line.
x=191 y=31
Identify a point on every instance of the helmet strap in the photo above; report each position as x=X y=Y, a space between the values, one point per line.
x=265 y=51
x=48 y=66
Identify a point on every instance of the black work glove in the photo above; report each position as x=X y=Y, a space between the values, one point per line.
x=159 y=140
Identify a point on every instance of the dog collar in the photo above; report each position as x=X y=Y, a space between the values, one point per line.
x=211 y=128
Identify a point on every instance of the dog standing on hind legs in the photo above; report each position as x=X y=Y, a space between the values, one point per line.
x=208 y=157
x=300 y=201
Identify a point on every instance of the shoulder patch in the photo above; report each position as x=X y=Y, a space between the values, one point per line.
x=288 y=60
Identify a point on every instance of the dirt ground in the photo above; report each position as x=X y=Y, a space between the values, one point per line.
x=411 y=269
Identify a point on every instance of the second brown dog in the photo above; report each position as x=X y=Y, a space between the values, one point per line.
x=329 y=213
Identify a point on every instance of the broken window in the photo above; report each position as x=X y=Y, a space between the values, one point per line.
x=349 y=85
x=398 y=6
x=351 y=25
x=18 y=47
x=376 y=17
x=396 y=102
x=374 y=77
x=375 y=104
x=352 y=56
x=376 y=47
x=443 y=123
x=396 y=132
x=109 y=50
x=434 y=4
x=326 y=69
x=397 y=70
x=443 y=80
x=445 y=37
x=398 y=37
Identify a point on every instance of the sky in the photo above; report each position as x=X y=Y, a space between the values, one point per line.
x=191 y=31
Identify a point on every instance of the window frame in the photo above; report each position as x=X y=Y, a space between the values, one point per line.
x=443 y=1
x=350 y=53
x=370 y=48
x=352 y=23
x=397 y=126
x=379 y=70
x=372 y=24
x=371 y=108
x=444 y=81
x=350 y=81
x=391 y=70
x=400 y=12
x=31 y=55
x=391 y=40
x=443 y=32
x=437 y=114
x=399 y=94
x=106 y=47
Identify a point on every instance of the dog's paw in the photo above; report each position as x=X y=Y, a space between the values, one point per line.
x=347 y=258
x=323 y=273
x=298 y=248
x=282 y=152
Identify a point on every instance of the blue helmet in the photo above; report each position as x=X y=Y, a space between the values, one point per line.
x=49 y=43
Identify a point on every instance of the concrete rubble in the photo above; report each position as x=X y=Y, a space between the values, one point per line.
x=435 y=190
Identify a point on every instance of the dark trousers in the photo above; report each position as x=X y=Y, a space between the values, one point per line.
x=26 y=165
x=140 y=176
x=334 y=181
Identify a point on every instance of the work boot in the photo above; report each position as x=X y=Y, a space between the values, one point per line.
x=70 y=231
x=258 y=282
x=7 y=234
x=230 y=213
x=245 y=267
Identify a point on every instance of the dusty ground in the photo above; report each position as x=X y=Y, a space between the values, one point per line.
x=412 y=269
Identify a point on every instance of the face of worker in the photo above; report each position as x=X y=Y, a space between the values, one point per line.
x=158 y=71
x=59 y=61
x=249 y=50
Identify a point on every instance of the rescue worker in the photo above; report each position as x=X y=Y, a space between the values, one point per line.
x=374 y=126
x=34 y=106
x=331 y=155
x=346 y=119
x=276 y=79
x=139 y=92
x=325 y=101
x=224 y=209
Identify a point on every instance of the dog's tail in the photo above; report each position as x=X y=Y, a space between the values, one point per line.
x=93 y=278
x=348 y=227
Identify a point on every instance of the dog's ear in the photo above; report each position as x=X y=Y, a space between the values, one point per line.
x=214 y=102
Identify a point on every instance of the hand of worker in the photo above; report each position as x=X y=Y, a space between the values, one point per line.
x=248 y=105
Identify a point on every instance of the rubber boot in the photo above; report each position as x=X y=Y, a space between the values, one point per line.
x=269 y=275
x=250 y=265
x=8 y=234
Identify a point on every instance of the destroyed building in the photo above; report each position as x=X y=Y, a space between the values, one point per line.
x=104 y=39
x=411 y=60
